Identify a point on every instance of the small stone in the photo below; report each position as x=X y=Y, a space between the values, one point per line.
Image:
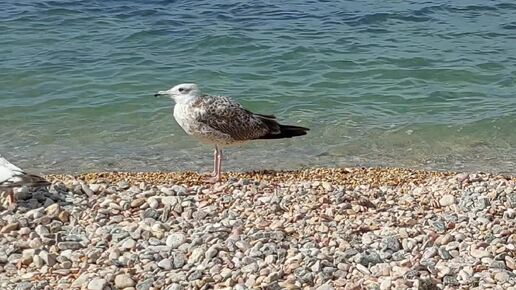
x=42 y=231
x=363 y=269
x=24 y=231
x=165 y=264
x=9 y=228
x=510 y=262
x=80 y=281
x=153 y=202
x=64 y=216
x=391 y=243
x=169 y=200
x=24 y=286
x=196 y=255
x=447 y=200
x=478 y=253
x=175 y=240
x=326 y=286
x=497 y=264
x=137 y=202
x=179 y=260
x=38 y=261
x=53 y=209
x=443 y=269
x=123 y=281
x=145 y=285
x=180 y=190
x=150 y=213
x=502 y=276
x=69 y=245
x=464 y=275
x=97 y=284
x=429 y=253
x=399 y=271
x=66 y=264
x=128 y=244
x=450 y=280
x=369 y=258
x=251 y=268
x=27 y=256
x=123 y=185
x=175 y=286
x=444 y=254
x=381 y=269
x=225 y=273
x=48 y=258
x=386 y=284
x=211 y=252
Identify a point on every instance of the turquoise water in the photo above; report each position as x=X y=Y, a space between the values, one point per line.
x=397 y=83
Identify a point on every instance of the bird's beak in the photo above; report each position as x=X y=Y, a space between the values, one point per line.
x=160 y=93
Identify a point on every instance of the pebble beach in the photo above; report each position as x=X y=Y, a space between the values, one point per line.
x=355 y=228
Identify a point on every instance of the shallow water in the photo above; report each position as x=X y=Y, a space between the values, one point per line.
x=422 y=85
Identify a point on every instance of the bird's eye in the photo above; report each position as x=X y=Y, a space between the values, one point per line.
x=181 y=89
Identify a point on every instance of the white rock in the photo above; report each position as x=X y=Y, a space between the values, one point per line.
x=386 y=284
x=363 y=269
x=478 y=253
x=123 y=281
x=128 y=244
x=165 y=264
x=447 y=200
x=326 y=286
x=175 y=240
x=196 y=255
x=502 y=276
x=97 y=284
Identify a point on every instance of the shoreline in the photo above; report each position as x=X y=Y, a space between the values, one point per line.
x=320 y=228
x=342 y=176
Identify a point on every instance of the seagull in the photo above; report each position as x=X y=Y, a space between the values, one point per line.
x=12 y=176
x=221 y=121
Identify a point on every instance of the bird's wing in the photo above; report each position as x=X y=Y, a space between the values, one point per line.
x=226 y=116
x=11 y=175
x=8 y=165
x=8 y=170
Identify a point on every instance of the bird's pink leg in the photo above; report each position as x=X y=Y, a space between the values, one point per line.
x=11 y=201
x=218 y=165
x=214 y=173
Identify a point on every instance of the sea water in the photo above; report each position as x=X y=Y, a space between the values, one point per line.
x=419 y=84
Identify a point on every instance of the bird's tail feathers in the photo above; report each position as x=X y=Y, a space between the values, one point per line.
x=287 y=131
x=35 y=180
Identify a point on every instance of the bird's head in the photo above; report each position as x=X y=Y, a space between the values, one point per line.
x=181 y=93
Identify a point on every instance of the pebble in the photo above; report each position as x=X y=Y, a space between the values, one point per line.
x=123 y=281
x=406 y=230
x=447 y=200
x=326 y=286
x=128 y=244
x=137 y=202
x=9 y=228
x=478 y=253
x=502 y=276
x=165 y=264
x=48 y=258
x=24 y=286
x=386 y=284
x=175 y=240
x=97 y=284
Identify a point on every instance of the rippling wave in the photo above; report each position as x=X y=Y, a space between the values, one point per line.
x=426 y=85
